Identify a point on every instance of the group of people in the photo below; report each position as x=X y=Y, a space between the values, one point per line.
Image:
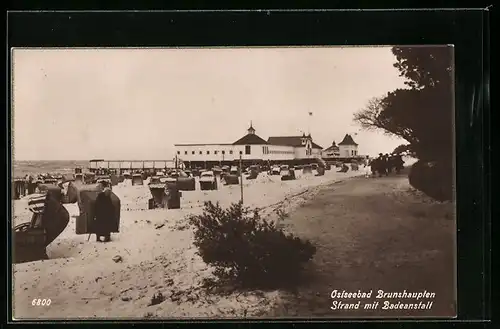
x=385 y=164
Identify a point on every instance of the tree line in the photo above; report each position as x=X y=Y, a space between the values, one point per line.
x=422 y=114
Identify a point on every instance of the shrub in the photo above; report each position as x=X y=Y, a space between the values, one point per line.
x=248 y=250
x=435 y=179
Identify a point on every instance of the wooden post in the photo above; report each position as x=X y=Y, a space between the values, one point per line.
x=241 y=180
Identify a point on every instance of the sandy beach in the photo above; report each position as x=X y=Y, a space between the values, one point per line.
x=351 y=244
x=375 y=233
x=83 y=281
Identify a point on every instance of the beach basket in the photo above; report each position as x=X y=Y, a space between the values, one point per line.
x=159 y=197
x=137 y=180
x=79 y=178
x=87 y=196
x=29 y=243
x=307 y=169
x=231 y=179
x=289 y=176
x=114 y=179
x=173 y=195
x=27 y=236
x=53 y=191
x=18 y=189
x=89 y=178
x=253 y=174
x=186 y=183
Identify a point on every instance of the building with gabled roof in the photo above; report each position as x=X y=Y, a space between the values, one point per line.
x=252 y=148
x=348 y=148
x=333 y=151
x=348 y=140
x=250 y=138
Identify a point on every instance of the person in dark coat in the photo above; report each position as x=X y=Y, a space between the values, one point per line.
x=386 y=161
x=105 y=217
x=398 y=163
x=381 y=165
x=390 y=163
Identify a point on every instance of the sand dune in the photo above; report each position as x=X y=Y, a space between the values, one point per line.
x=83 y=281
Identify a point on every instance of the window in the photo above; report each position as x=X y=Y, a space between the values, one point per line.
x=192 y=152
x=208 y=152
x=215 y=152
x=178 y=152
x=201 y=152
x=241 y=152
x=247 y=149
x=185 y=152
x=352 y=152
x=223 y=152
x=231 y=152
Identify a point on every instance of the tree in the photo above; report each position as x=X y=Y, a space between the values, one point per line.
x=402 y=148
x=422 y=113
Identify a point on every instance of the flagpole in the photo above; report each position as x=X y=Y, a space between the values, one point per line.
x=241 y=180
x=309 y=122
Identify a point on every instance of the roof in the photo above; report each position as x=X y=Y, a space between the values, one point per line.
x=201 y=145
x=250 y=139
x=333 y=147
x=295 y=141
x=348 y=140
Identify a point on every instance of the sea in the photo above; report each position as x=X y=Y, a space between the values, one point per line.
x=22 y=168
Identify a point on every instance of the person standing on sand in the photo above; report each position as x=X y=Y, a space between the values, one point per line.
x=367 y=168
x=381 y=165
x=387 y=165
x=390 y=163
x=105 y=217
x=398 y=163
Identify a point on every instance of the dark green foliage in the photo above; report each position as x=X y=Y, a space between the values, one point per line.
x=433 y=178
x=248 y=249
x=422 y=114
x=402 y=148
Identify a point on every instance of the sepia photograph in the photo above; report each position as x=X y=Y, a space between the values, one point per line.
x=233 y=183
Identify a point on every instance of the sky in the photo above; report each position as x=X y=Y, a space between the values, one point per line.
x=135 y=104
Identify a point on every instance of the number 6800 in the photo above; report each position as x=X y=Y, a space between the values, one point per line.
x=41 y=302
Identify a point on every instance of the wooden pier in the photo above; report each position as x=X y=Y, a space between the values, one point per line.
x=131 y=165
